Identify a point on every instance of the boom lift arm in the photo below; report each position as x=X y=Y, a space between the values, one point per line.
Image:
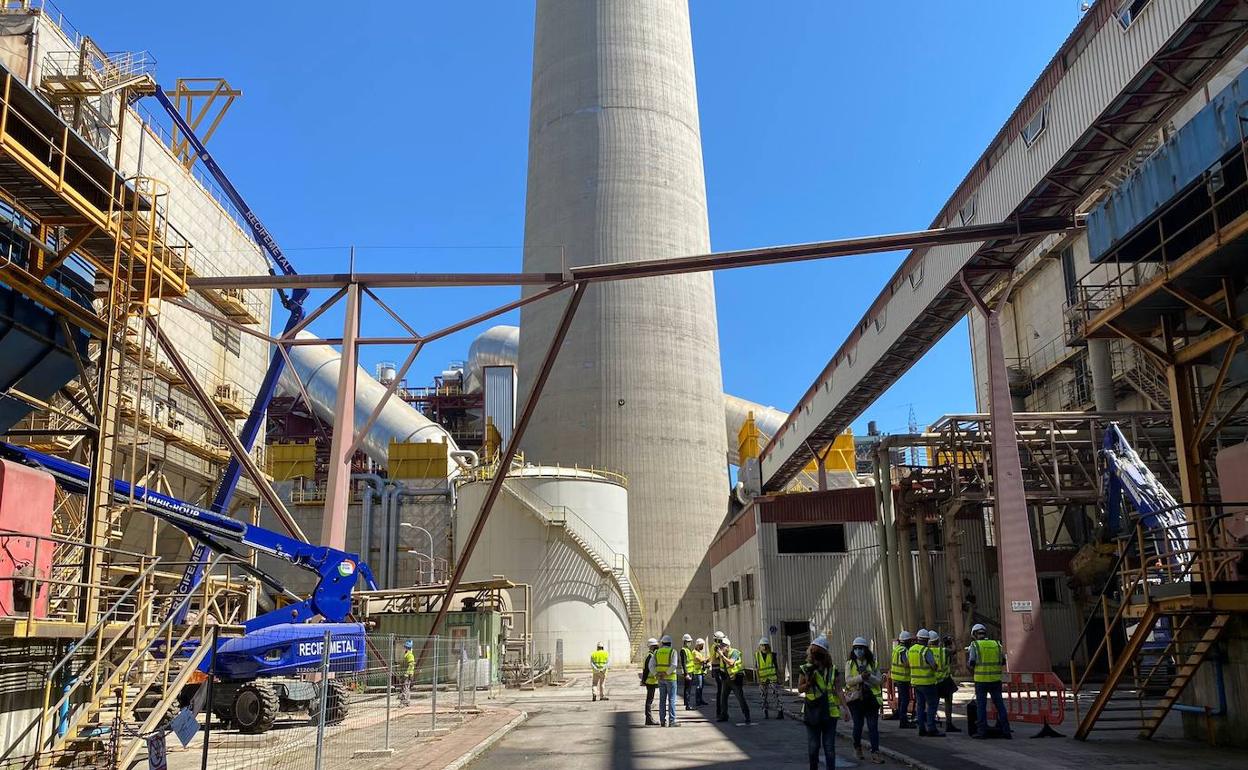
x=337 y=571
x=293 y=303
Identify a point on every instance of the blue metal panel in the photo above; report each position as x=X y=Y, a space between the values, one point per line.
x=35 y=356
x=1177 y=164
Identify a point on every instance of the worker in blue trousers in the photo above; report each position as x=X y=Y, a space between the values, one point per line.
x=986 y=659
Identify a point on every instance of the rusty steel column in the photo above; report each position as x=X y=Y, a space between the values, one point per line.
x=1022 y=623
x=338 y=487
x=504 y=464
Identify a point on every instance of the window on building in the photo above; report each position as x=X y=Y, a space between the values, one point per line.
x=736 y=592
x=821 y=538
x=723 y=597
x=1129 y=11
x=715 y=600
x=966 y=214
x=1036 y=126
x=1050 y=590
x=748 y=579
x=230 y=339
x=1069 y=278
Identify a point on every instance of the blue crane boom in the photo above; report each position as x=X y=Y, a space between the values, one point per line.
x=337 y=571
x=293 y=303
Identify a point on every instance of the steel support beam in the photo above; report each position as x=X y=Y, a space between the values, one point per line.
x=223 y=427
x=617 y=271
x=338 y=487
x=504 y=464
x=1022 y=622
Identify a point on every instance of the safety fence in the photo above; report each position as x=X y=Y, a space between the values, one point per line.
x=333 y=696
x=1036 y=698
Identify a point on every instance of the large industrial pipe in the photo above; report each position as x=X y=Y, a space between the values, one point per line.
x=317 y=367
x=499 y=346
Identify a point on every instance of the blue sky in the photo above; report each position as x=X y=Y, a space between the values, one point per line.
x=401 y=127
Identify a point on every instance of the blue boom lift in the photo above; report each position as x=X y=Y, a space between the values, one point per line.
x=256 y=673
x=292 y=302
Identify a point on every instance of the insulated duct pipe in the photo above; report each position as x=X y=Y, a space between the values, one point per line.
x=499 y=346
x=317 y=367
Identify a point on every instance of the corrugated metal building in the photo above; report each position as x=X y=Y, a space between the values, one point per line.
x=790 y=565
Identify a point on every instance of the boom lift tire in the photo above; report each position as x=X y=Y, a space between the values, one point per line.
x=255 y=707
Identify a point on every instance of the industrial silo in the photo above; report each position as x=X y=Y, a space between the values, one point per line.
x=615 y=174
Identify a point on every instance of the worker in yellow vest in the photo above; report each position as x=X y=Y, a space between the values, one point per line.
x=409 y=673
x=863 y=682
x=820 y=684
x=733 y=679
x=688 y=665
x=986 y=659
x=648 y=679
x=768 y=679
x=598 y=660
x=899 y=670
x=665 y=665
x=924 y=670
x=701 y=660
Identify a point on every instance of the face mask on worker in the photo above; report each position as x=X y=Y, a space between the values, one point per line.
x=860 y=652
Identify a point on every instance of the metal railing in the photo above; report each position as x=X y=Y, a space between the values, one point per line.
x=1113 y=280
x=1148 y=557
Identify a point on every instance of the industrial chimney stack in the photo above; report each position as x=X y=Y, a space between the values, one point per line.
x=615 y=174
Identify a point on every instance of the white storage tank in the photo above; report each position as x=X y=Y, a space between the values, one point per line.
x=564 y=531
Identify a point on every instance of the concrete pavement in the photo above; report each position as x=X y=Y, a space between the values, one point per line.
x=566 y=729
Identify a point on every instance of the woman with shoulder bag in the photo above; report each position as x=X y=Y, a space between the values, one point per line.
x=820 y=683
x=862 y=694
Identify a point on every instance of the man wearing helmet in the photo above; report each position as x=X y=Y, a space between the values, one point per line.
x=409 y=673
x=986 y=659
x=689 y=667
x=768 y=679
x=733 y=679
x=665 y=666
x=900 y=672
x=648 y=679
x=598 y=661
x=701 y=657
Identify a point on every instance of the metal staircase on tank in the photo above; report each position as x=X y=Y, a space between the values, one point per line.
x=1170 y=595
x=607 y=560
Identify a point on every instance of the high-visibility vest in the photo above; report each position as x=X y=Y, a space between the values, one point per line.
x=819 y=684
x=988 y=660
x=942 y=662
x=735 y=667
x=645 y=666
x=702 y=660
x=599 y=659
x=663 y=661
x=765 y=665
x=851 y=667
x=921 y=675
x=409 y=661
x=693 y=664
x=900 y=670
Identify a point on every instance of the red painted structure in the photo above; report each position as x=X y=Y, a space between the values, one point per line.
x=27 y=497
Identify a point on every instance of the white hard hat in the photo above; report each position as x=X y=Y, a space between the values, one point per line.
x=822 y=642
x=725 y=641
x=905 y=636
x=600 y=645
x=687 y=638
x=719 y=634
x=978 y=627
x=860 y=642
x=652 y=642
x=700 y=640
x=922 y=634
x=764 y=641
x=667 y=639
